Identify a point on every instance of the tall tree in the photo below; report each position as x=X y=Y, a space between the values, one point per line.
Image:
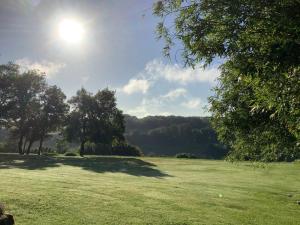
x=32 y=127
x=52 y=112
x=94 y=118
x=108 y=117
x=27 y=88
x=256 y=106
x=8 y=74
x=80 y=118
x=29 y=108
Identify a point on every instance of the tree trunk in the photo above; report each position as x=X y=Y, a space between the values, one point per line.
x=20 y=145
x=82 y=139
x=41 y=145
x=82 y=148
x=24 y=147
x=29 y=147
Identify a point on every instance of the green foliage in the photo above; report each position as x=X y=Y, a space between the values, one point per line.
x=8 y=74
x=71 y=154
x=103 y=149
x=89 y=148
x=30 y=109
x=125 y=149
x=52 y=113
x=117 y=147
x=256 y=104
x=25 y=92
x=61 y=146
x=185 y=156
x=252 y=134
x=10 y=145
x=95 y=119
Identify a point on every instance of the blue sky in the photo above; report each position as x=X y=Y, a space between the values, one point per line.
x=118 y=50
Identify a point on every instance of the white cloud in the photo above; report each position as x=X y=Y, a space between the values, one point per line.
x=192 y=103
x=177 y=101
x=173 y=94
x=160 y=105
x=149 y=106
x=49 y=68
x=175 y=73
x=136 y=86
x=156 y=70
x=139 y=111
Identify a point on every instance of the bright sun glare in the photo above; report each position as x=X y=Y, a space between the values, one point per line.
x=71 y=31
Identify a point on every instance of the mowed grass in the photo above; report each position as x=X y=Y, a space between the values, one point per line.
x=120 y=190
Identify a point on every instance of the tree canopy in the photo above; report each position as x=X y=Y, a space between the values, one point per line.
x=31 y=110
x=256 y=106
x=94 y=118
x=29 y=107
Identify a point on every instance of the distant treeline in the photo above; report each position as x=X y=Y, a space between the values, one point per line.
x=163 y=136
x=169 y=135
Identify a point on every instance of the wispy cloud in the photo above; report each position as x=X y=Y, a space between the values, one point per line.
x=192 y=103
x=49 y=68
x=173 y=94
x=149 y=106
x=175 y=73
x=156 y=71
x=174 y=102
x=136 y=86
x=156 y=76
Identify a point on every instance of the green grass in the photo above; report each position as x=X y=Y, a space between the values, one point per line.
x=120 y=190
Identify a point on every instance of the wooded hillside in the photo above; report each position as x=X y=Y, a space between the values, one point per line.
x=169 y=135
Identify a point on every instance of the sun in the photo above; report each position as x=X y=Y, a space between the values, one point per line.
x=71 y=31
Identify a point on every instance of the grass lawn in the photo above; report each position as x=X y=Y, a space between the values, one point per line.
x=121 y=191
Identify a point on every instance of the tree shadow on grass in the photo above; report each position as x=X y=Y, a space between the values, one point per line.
x=98 y=164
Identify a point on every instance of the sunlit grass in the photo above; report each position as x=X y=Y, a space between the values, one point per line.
x=114 y=190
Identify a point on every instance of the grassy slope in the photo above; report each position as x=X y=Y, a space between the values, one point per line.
x=103 y=190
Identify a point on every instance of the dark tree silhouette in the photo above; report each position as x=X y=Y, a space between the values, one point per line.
x=94 y=118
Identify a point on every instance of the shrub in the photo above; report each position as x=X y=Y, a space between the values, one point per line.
x=70 y=154
x=186 y=156
x=125 y=149
x=10 y=146
x=103 y=149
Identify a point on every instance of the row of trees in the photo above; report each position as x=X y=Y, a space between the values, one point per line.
x=256 y=106
x=31 y=109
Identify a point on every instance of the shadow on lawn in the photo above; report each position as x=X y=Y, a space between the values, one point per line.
x=98 y=164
